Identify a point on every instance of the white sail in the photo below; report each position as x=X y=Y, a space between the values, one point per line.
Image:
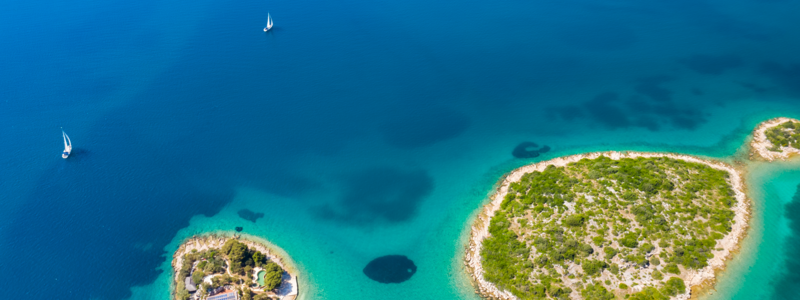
x=67 y=144
x=269 y=22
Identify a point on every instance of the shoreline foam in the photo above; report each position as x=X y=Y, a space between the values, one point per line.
x=693 y=278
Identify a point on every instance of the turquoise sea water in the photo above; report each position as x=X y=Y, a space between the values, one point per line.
x=360 y=129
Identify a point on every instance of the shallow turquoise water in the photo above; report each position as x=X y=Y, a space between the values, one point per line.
x=761 y=263
x=360 y=129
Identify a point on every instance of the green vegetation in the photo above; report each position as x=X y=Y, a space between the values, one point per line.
x=637 y=216
x=233 y=256
x=197 y=276
x=273 y=277
x=674 y=286
x=181 y=292
x=596 y=292
x=786 y=134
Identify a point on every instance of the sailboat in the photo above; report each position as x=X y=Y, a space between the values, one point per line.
x=67 y=144
x=269 y=23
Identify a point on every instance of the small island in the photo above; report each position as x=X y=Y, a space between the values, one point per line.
x=607 y=226
x=777 y=138
x=215 y=267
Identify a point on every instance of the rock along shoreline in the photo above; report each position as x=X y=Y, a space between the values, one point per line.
x=693 y=278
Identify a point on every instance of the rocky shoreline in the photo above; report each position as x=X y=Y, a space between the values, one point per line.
x=693 y=278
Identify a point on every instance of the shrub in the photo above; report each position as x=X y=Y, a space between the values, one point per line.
x=674 y=286
x=672 y=268
x=575 y=220
x=655 y=261
x=613 y=268
x=610 y=252
x=629 y=195
x=657 y=275
x=623 y=286
x=630 y=240
x=592 y=267
x=648 y=293
x=596 y=292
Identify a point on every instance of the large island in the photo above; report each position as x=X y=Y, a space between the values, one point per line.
x=215 y=267
x=608 y=225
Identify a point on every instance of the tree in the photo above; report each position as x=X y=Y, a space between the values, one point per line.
x=197 y=276
x=247 y=294
x=258 y=258
x=226 y=248
x=182 y=293
x=272 y=278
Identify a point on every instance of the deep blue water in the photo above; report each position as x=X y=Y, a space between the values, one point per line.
x=360 y=129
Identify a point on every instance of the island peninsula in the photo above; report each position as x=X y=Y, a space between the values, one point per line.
x=238 y=267
x=777 y=138
x=608 y=225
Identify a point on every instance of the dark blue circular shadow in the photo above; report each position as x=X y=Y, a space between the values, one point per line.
x=390 y=269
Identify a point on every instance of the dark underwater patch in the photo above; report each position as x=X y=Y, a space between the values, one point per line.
x=650 y=110
x=788 y=76
x=239 y=229
x=711 y=64
x=529 y=150
x=390 y=269
x=651 y=87
x=379 y=194
x=423 y=127
x=603 y=109
x=788 y=283
x=250 y=215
